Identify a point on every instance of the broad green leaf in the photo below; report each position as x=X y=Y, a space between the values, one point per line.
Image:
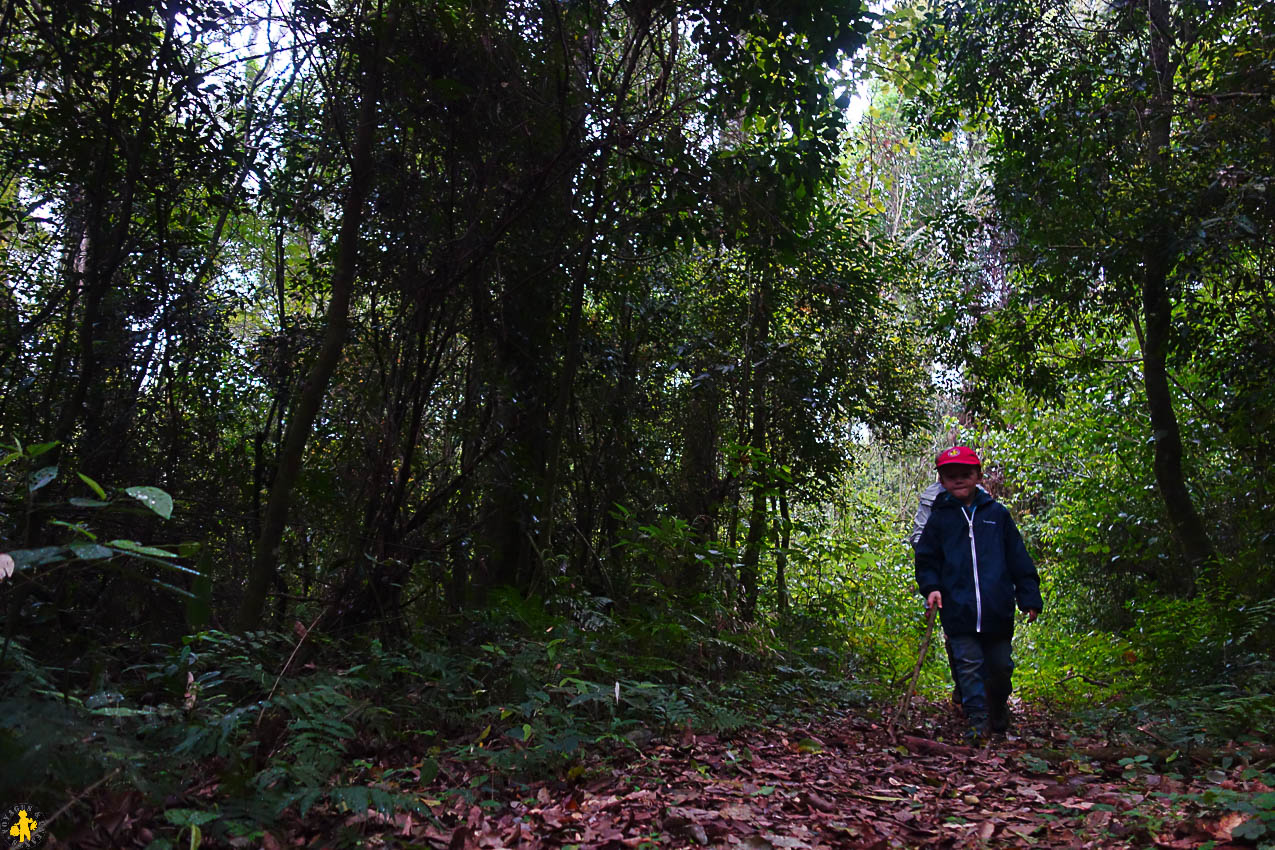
x=149 y=554
x=81 y=502
x=41 y=477
x=809 y=745
x=25 y=559
x=97 y=488
x=1251 y=829
x=189 y=817
x=137 y=548
x=154 y=498
x=120 y=711
x=90 y=551
x=39 y=449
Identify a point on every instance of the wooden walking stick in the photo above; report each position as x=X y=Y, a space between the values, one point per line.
x=916 y=672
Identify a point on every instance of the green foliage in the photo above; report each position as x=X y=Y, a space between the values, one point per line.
x=42 y=753
x=654 y=272
x=539 y=688
x=1120 y=239
x=1078 y=474
x=85 y=549
x=1259 y=807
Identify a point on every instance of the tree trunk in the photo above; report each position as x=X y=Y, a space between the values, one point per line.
x=757 y=354
x=784 y=535
x=566 y=378
x=1157 y=309
x=266 y=554
x=752 y=553
x=462 y=548
x=700 y=437
x=698 y=485
x=618 y=446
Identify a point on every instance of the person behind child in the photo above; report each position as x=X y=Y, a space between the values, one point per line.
x=971 y=563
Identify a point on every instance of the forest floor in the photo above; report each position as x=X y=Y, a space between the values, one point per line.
x=845 y=783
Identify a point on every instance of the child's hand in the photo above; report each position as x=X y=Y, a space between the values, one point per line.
x=935 y=598
x=1032 y=614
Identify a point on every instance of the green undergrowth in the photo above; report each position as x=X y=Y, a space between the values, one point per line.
x=280 y=724
x=1209 y=742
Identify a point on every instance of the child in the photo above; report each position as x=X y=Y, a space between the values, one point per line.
x=972 y=564
x=925 y=504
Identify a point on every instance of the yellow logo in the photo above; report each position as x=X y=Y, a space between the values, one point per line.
x=24 y=827
x=954 y=453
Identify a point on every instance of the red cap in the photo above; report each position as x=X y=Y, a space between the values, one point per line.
x=958 y=454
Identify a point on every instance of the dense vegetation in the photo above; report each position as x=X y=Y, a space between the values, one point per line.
x=500 y=379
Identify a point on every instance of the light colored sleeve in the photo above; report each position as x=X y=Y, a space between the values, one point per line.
x=926 y=502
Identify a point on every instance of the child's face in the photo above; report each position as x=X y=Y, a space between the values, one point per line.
x=961 y=480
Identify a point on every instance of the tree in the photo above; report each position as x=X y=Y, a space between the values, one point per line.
x=1126 y=200
x=422 y=305
x=371 y=45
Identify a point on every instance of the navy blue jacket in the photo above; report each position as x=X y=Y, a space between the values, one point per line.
x=976 y=600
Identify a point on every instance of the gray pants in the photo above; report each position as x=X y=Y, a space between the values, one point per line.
x=983 y=669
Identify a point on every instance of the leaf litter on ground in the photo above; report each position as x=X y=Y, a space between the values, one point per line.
x=842 y=784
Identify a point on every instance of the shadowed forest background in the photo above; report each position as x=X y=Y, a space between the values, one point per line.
x=510 y=381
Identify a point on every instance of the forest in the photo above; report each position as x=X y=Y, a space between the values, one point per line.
x=500 y=423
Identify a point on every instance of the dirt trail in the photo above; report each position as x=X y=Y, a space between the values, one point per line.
x=848 y=785
x=845 y=784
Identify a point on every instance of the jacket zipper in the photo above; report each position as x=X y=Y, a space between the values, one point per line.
x=978 y=595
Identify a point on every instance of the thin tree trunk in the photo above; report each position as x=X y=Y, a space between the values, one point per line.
x=566 y=379
x=1157 y=307
x=752 y=553
x=462 y=552
x=781 y=554
x=757 y=354
x=266 y=554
